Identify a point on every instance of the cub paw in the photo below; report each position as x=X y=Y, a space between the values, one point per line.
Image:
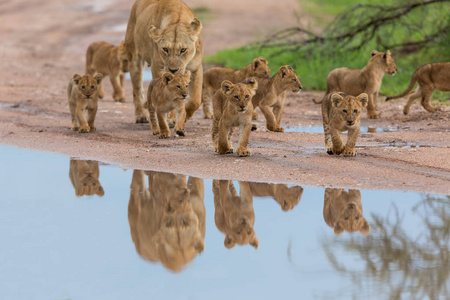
x=180 y=132
x=279 y=129
x=329 y=150
x=92 y=129
x=405 y=110
x=244 y=152
x=142 y=119
x=349 y=152
x=75 y=128
x=254 y=115
x=374 y=116
x=337 y=150
x=155 y=132
x=254 y=127
x=164 y=135
x=84 y=129
x=208 y=115
x=121 y=100
x=225 y=150
x=171 y=124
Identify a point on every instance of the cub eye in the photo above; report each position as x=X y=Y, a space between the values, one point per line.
x=237 y=97
x=356 y=218
x=179 y=86
x=166 y=50
x=92 y=87
x=265 y=73
x=246 y=96
x=345 y=111
x=294 y=80
x=346 y=218
x=249 y=232
x=239 y=232
x=355 y=111
x=187 y=86
x=83 y=87
x=183 y=50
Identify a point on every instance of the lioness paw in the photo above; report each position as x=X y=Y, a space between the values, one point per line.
x=75 y=128
x=349 y=152
x=155 y=132
x=92 y=129
x=374 y=116
x=244 y=152
x=279 y=129
x=84 y=129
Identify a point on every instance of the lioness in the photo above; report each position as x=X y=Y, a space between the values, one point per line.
x=272 y=93
x=84 y=177
x=233 y=107
x=366 y=80
x=212 y=79
x=343 y=211
x=166 y=35
x=164 y=95
x=234 y=215
x=167 y=218
x=111 y=61
x=287 y=197
x=429 y=77
x=341 y=112
x=83 y=96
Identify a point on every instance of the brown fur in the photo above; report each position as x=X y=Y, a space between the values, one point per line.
x=342 y=112
x=84 y=177
x=366 y=80
x=212 y=79
x=166 y=94
x=287 y=197
x=429 y=77
x=234 y=215
x=83 y=96
x=167 y=218
x=111 y=61
x=166 y=35
x=271 y=93
x=233 y=107
x=343 y=211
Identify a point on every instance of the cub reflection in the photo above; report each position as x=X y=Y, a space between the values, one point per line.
x=234 y=215
x=343 y=211
x=167 y=218
x=287 y=197
x=84 y=177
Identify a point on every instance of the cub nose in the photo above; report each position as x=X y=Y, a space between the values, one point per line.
x=242 y=106
x=351 y=205
x=173 y=71
x=350 y=122
x=184 y=95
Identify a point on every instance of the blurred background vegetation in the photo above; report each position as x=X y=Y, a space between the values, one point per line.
x=344 y=32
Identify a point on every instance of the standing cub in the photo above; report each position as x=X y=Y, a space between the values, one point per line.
x=83 y=96
x=233 y=107
x=212 y=79
x=111 y=61
x=342 y=112
x=164 y=95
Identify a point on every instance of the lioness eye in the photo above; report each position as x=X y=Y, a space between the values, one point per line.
x=237 y=97
x=166 y=50
x=345 y=111
x=246 y=96
x=355 y=111
x=183 y=50
x=179 y=86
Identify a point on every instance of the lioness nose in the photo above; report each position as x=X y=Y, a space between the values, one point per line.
x=173 y=71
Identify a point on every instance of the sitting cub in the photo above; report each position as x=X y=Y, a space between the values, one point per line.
x=83 y=95
x=232 y=106
x=111 y=61
x=342 y=112
x=164 y=95
x=272 y=93
x=212 y=79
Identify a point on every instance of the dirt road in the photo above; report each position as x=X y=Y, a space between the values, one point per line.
x=43 y=45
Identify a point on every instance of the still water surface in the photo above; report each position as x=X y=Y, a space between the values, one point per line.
x=143 y=242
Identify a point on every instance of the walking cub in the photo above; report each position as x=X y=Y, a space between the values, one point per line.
x=233 y=107
x=342 y=112
x=272 y=93
x=83 y=96
x=111 y=61
x=212 y=79
x=164 y=95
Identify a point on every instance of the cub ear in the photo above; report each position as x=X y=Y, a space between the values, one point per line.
x=263 y=59
x=252 y=83
x=254 y=241
x=256 y=63
x=336 y=99
x=195 y=27
x=338 y=228
x=374 y=52
x=199 y=245
x=167 y=77
x=365 y=228
x=364 y=99
x=155 y=33
x=187 y=75
x=76 y=78
x=229 y=242
x=227 y=87
x=100 y=191
x=98 y=77
x=284 y=71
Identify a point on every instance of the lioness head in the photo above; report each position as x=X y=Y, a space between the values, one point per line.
x=178 y=85
x=87 y=84
x=351 y=220
x=177 y=44
x=260 y=68
x=240 y=94
x=384 y=61
x=289 y=80
x=349 y=108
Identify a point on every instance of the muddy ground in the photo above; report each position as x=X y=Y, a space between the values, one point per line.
x=43 y=45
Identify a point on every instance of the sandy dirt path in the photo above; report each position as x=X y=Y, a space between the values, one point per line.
x=43 y=45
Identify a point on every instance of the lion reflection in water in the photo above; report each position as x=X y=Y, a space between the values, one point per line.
x=84 y=177
x=167 y=218
x=287 y=197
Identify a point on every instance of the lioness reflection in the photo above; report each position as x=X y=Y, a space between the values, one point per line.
x=84 y=177
x=167 y=218
x=342 y=210
x=287 y=197
x=234 y=215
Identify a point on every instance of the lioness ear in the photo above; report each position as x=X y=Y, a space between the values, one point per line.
x=76 y=78
x=284 y=71
x=229 y=242
x=336 y=99
x=338 y=228
x=98 y=77
x=195 y=27
x=155 y=33
x=100 y=191
x=364 y=99
x=365 y=228
x=167 y=77
x=252 y=84
x=374 y=52
x=388 y=53
x=254 y=241
x=226 y=87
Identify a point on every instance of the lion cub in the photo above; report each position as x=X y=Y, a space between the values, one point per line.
x=342 y=112
x=164 y=95
x=272 y=93
x=83 y=96
x=84 y=176
x=212 y=79
x=111 y=61
x=233 y=108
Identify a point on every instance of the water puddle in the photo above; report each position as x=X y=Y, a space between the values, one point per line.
x=147 y=75
x=76 y=229
x=319 y=129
